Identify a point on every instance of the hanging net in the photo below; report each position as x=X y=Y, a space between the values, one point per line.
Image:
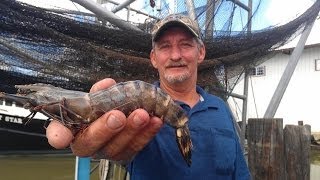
x=74 y=50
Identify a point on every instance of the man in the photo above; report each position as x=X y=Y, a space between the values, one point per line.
x=146 y=145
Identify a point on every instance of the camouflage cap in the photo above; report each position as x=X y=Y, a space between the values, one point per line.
x=172 y=20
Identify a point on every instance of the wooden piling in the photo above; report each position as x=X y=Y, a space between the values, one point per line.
x=277 y=154
x=265 y=149
x=297 y=152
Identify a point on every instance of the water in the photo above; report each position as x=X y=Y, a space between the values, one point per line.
x=38 y=167
x=60 y=167
x=315 y=172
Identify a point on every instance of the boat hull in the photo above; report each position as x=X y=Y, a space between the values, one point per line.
x=18 y=135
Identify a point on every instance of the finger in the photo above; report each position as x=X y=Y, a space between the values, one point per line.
x=98 y=133
x=141 y=139
x=58 y=135
x=146 y=134
x=136 y=121
x=103 y=84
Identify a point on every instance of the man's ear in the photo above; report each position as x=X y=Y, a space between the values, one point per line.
x=202 y=54
x=153 y=59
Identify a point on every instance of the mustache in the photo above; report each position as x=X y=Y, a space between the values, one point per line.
x=175 y=64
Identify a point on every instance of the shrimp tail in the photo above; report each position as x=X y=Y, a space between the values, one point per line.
x=184 y=143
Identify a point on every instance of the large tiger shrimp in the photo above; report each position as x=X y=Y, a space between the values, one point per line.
x=75 y=108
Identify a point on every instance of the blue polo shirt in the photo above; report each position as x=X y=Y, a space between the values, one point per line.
x=216 y=152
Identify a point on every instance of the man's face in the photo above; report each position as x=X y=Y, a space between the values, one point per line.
x=176 y=55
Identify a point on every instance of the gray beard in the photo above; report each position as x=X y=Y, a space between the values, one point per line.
x=177 y=79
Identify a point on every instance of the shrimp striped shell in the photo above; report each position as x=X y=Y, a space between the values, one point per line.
x=74 y=108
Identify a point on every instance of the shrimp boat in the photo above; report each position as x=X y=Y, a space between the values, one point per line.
x=18 y=136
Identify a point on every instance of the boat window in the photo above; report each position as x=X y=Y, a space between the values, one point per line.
x=317 y=64
x=8 y=103
x=1 y=101
x=19 y=104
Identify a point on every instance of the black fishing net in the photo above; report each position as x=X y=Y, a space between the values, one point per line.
x=52 y=46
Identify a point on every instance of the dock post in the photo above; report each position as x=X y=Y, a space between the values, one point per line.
x=82 y=169
x=297 y=152
x=266 y=149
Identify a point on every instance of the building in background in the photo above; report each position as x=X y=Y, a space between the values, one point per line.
x=301 y=100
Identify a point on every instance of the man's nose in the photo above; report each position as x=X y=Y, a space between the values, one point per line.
x=175 y=54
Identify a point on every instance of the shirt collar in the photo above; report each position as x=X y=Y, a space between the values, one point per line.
x=205 y=98
x=208 y=99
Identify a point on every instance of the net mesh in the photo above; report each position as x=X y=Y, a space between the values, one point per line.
x=51 y=46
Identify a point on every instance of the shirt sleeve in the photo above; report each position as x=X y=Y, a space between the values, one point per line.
x=241 y=167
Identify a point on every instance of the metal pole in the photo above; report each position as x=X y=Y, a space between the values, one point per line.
x=209 y=19
x=237 y=2
x=132 y=9
x=82 y=169
x=107 y=15
x=239 y=96
x=249 y=15
x=62 y=11
x=245 y=88
x=287 y=74
x=244 y=107
x=190 y=7
x=246 y=74
x=123 y=5
x=128 y=12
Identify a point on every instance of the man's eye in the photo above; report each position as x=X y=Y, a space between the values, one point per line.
x=164 y=46
x=186 y=44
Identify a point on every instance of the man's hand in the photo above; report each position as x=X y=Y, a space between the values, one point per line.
x=113 y=136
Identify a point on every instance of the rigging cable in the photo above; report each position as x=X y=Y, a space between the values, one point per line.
x=237 y=108
x=254 y=99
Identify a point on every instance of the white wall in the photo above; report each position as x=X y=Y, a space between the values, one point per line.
x=301 y=100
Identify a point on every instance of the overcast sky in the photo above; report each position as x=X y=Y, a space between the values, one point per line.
x=281 y=11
